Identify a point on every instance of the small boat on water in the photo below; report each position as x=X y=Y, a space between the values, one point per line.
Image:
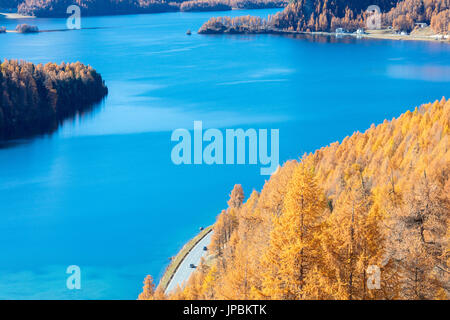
x=188 y=32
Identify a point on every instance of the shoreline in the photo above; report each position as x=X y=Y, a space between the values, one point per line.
x=56 y=30
x=382 y=36
x=370 y=35
x=7 y=15
x=15 y=15
x=180 y=256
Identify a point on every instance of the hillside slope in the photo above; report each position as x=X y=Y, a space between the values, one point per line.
x=326 y=226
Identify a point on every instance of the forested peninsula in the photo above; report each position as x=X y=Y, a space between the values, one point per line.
x=425 y=17
x=376 y=205
x=36 y=98
x=57 y=8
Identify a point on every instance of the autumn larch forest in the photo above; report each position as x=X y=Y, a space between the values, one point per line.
x=379 y=198
x=377 y=201
x=34 y=99
x=327 y=16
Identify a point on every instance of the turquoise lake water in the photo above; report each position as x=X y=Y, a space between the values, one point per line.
x=102 y=192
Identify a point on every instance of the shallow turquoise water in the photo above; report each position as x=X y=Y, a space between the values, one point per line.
x=102 y=192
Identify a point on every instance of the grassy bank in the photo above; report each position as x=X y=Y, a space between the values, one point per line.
x=421 y=35
x=176 y=261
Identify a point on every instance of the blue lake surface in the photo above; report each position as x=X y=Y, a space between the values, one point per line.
x=102 y=192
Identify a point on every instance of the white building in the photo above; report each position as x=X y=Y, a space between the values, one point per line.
x=421 y=24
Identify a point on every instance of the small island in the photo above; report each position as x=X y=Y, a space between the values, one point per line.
x=26 y=28
x=36 y=98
